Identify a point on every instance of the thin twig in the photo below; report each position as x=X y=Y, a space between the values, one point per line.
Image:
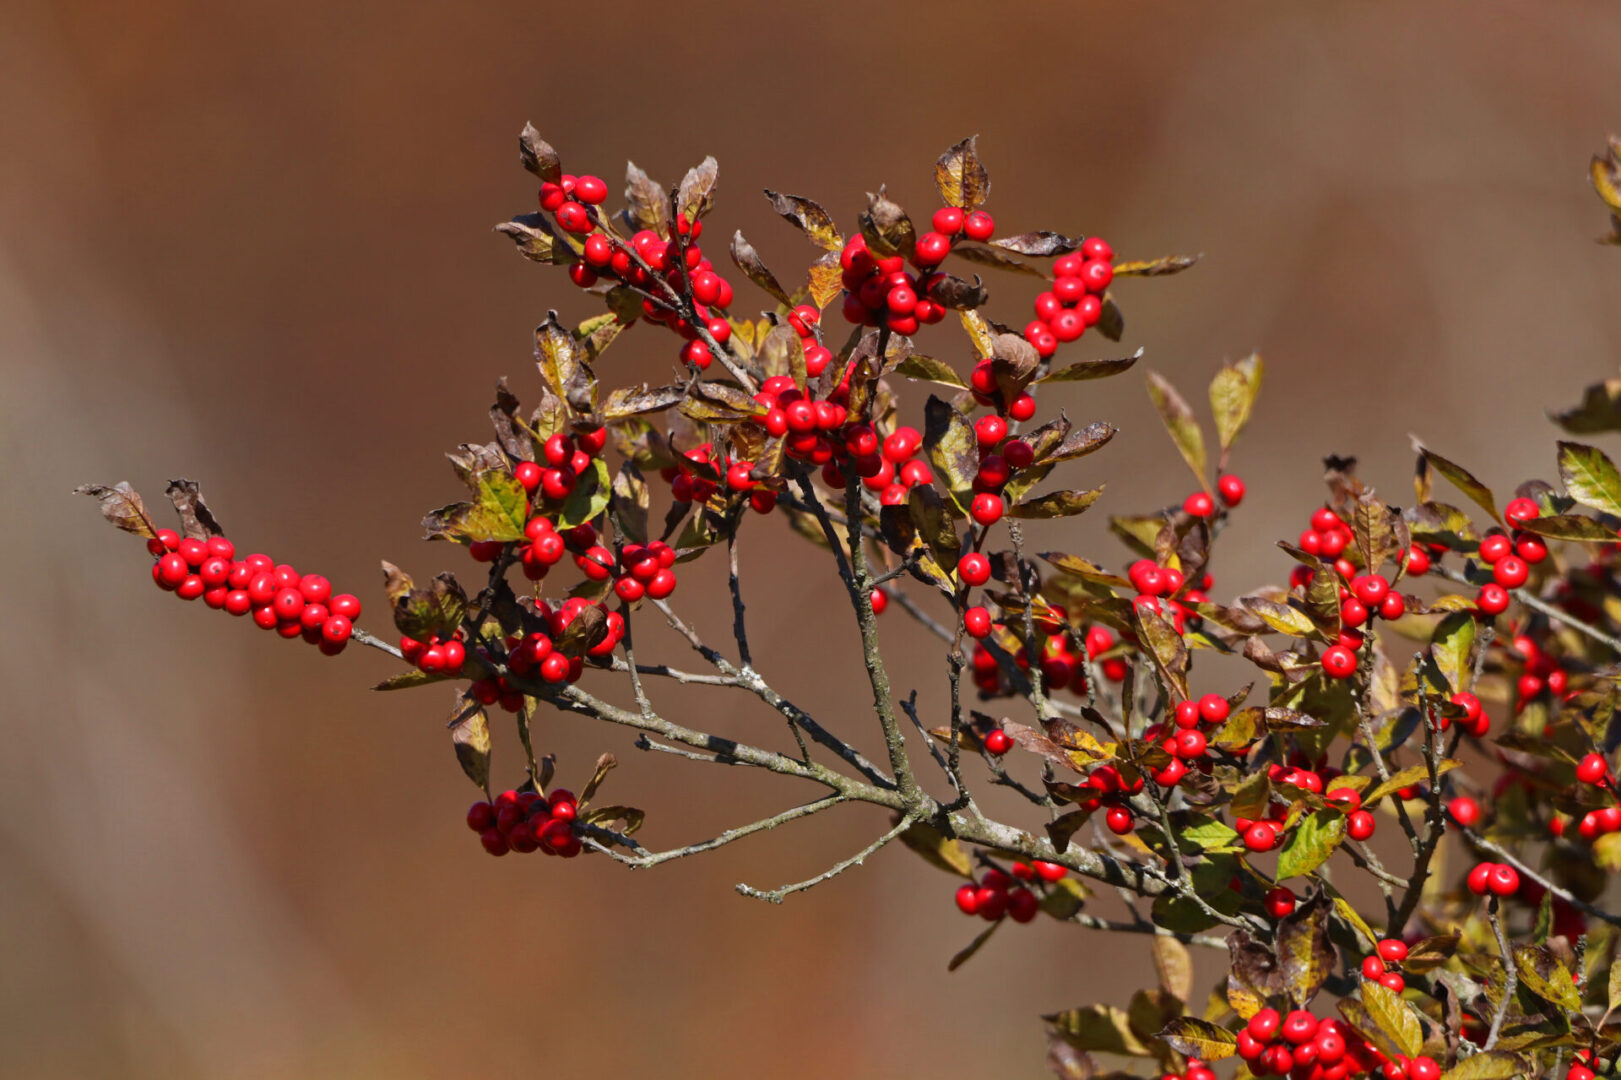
x=776 y=896
x=649 y=859
x=1510 y=976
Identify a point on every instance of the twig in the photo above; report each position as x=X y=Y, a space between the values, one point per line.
x=1510 y=976
x=650 y=859
x=1478 y=841
x=776 y=896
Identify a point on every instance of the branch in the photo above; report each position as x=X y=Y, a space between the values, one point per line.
x=1511 y=977
x=750 y=680
x=650 y=859
x=776 y=896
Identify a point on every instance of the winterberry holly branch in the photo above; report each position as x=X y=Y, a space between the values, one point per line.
x=1204 y=812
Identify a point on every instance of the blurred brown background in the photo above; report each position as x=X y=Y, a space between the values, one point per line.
x=249 y=243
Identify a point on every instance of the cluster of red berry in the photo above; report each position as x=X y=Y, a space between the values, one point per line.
x=891 y=466
x=677 y=261
x=1075 y=300
x=1157 y=586
x=996 y=895
x=1541 y=672
x=1201 y=505
x=278 y=596
x=1510 y=558
x=1303 y=1047
x=438 y=655
x=880 y=291
x=526 y=821
x=1497 y=879
x=1187 y=743
x=1110 y=790
x=983 y=386
x=1377 y=966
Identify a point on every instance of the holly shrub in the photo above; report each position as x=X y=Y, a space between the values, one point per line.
x=1400 y=645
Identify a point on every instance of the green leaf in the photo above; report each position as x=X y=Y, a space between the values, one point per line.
x=1165 y=264
x=1178 y=417
x=1462 y=479
x=809 y=217
x=1343 y=908
x=1599 y=411
x=592 y=490
x=1064 y=897
x=948 y=439
x=1413 y=774
x=967 y=952
x=1394 y=1018
x=1590 y=477
x=1615 y=986
x=1305 y=957
x=1451 y=644
x=748 y=260
x=1056 y=504
x=1312 y=842
x=1544 y=975
x=1284 y=618
x=407 y=680
x=499 y=507
x=422 y=613
x=1087 y=370
x=1192 y=1037
x=1488 y=1065
x=1174 y=965
x=471 y=738
x=939 y=850
x=1570 y=527
x=1232 y=396
x=961 y=178
x=1100 y=1027
x=1200 y=832
x=928 y=369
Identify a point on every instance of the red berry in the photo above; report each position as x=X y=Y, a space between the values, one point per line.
x=974 y=568
x=1371 y=589
x=1261 y=836
x=979 y=226
x=1510 y=571
x=986 y=509
x=1119 y=820
x=1504 y=880
x=1199 y=505
x=977 y=622
x=990 y=430
x=1359 y=825
x=1519 y=511
x=1230 y=488
x=1493 y=599
x=967 y=898
x=1372 y=967
x=1480 y=879
x=1417 y=561
x=998 y=743
x=1592 y=769
x=1279 y=902
x=948 y=220
x=1263 y=1026
x=1464 y=810
x=1339 y=662
x=1494 y=547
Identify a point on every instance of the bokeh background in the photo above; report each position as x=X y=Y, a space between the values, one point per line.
x=250 y=243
